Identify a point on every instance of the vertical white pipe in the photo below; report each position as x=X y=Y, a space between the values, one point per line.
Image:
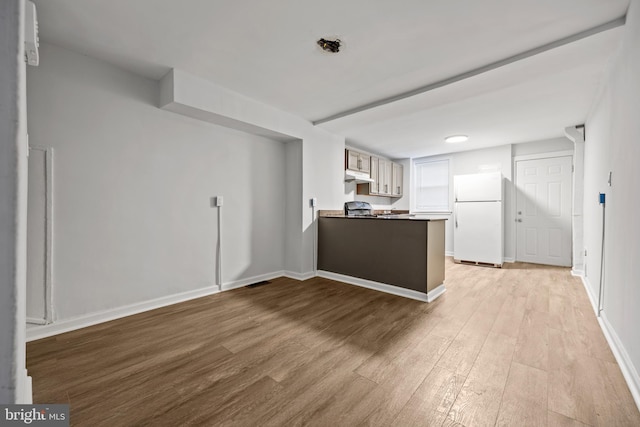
x=601 y=287
x=219 y=251
x=314 y=262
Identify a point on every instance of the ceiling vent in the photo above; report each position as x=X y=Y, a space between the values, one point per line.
x=332 y=46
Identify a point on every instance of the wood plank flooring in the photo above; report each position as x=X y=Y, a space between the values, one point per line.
x=518 y=346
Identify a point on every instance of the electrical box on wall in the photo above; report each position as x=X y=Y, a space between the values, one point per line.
x=31 y=40
x=219 y=201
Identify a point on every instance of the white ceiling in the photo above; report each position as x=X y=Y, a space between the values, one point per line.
x=266 y=50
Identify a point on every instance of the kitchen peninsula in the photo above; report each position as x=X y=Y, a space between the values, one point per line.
x=398 y=254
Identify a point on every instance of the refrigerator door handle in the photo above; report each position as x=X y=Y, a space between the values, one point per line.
x=455 y=214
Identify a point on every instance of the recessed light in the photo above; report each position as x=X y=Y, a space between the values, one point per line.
x=456 y=138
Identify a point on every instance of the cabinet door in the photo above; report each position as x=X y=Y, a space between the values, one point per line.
x=353 y=160
x=374 y=187
x=397 y=180
x=365 y=163
x=385 y=177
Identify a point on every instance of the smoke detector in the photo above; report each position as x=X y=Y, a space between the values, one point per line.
x=332 y=46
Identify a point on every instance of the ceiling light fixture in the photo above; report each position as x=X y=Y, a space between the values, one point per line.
x=456 y=138
x=332 y=46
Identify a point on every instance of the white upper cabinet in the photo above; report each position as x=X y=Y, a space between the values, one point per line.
x=358 y=161
x=396 y=180
x=374 y=187
x=384 y=171
x=386 y=175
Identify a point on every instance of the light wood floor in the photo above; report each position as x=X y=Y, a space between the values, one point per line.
x=518 y=346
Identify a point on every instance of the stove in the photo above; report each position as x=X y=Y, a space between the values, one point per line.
x=358 y=209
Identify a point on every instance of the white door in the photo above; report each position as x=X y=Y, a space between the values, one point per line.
x=38 y=239
x=543 y=211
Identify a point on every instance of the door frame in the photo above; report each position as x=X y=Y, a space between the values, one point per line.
x=514 y=199
x=48 y=251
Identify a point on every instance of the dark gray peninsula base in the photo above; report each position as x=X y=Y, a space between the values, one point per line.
x=403 y=255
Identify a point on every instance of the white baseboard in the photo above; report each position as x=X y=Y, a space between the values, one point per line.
x=27 y=396
x=436 y=292
x=629 y=371
x=577 y=273
x=509 y=259
x=448 y=253
x=382 y=287
x=624 y=361
x=592 y=298
x=299 y=276
x=36 y=321
x=36 y=332
x=244 y=282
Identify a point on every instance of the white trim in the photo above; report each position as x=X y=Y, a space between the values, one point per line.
x=249 y=280
x=23 y=389
x=299 y=276
x=48 y=273
x=509 y=260
x=577 y=273
x=448 y=253
x=383 y=287
x=27 y=396
x=547 y=155
x=79 y=322
x=36 y=321
x=436 y=292
x=36 y=332
x=629 y=371
x=624 y=361
x=592 y=298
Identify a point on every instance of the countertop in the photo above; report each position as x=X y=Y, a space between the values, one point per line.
x=410 y=217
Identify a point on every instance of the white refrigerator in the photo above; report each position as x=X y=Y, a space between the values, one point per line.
x=478 y=219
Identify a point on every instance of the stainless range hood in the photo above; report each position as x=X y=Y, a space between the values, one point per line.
x=357 y=177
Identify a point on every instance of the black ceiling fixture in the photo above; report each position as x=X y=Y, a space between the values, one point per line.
x=332 y=46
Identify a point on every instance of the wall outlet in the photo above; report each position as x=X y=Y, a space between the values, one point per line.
x=219 y=201
x=313 y=202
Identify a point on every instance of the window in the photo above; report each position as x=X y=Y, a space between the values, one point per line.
x=431 y=183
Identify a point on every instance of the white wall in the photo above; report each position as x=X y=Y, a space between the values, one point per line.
x=322 y=155
x=293 y=206
x=323 y=178
x=13 y=199
x=612 y=144
x=133 y=186
x=544 y=146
